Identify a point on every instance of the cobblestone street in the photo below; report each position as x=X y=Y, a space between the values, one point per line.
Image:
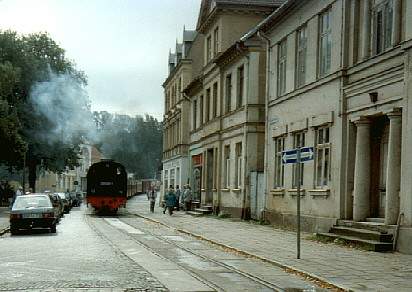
x=129 y=253
x=75 y=257
x=348 y=268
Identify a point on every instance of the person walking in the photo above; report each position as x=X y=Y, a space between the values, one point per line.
x=151 y=196
x=178 y=196
x=170 y=200
x=187 y=197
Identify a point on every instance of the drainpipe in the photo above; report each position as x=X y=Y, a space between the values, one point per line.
x=264 y=38
x=245 y=131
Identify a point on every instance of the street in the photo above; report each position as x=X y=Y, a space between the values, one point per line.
x=127 y=252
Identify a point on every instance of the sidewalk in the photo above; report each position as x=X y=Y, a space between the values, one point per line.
x=347 y=268
x=4 y=219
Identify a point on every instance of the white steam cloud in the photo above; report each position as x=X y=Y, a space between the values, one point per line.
x=65 y=104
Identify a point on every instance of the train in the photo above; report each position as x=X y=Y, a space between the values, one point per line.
x=107 y=186
x=140 y=186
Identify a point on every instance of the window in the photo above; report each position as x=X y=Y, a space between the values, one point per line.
x=226 y=182
x=216 y=41
x=298 y=141
x=301 y=42
x=207 y=113
x=282 y=67
x=240 y=85
x=201 y=110
x=279 y=168
x=382 y=26
x=228 y=91
x=238 y=165
x=194 y=115
x=322 y=163
x=214 y=113
x=208 y=49
x=325 y=42
x=178 y=176
x=172 y=178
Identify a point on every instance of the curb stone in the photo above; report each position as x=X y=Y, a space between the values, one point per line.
x=289 y=269
x=3 y=231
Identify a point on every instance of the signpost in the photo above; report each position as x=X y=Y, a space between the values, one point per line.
x=297 y=156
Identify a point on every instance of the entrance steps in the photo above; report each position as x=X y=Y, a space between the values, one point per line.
x=204 y=210
x=371 y=235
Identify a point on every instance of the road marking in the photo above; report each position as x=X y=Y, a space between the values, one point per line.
x=121 y=225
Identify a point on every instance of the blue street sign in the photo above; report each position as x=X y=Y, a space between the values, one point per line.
x=291 y=156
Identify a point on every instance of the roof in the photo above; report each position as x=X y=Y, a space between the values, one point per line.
x=208 y=6
x=172 y=58
x=252 y=2
x=266 y=23
x=179 y=48
x=189 y=35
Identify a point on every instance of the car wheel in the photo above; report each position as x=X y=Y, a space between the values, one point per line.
x=53 y=228
x=13 y=231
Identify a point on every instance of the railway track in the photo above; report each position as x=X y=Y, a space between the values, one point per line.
x=173 y=244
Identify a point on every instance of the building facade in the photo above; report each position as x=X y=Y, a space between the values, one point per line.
x=176 y=123
x=226 y=106
x=335 y=75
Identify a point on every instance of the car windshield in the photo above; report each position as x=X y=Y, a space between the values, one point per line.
x=32 y=202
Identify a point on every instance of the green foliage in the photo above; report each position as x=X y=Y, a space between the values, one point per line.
x=25 y=61
x=134 y=142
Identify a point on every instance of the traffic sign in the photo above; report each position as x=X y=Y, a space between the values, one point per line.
x=291 y=156
x=297 y=156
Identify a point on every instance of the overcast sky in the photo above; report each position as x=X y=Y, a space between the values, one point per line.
x=122 y=45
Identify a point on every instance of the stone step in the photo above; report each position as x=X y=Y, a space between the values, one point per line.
x=362 y=233
x=373 y=226
x=207 y=207
x=204 y=210
x=194 y=213
x=377 y=220
x=371 y=245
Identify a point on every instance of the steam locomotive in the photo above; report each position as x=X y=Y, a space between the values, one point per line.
x=107 y=186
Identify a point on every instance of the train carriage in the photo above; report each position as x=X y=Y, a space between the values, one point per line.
x=107 y=186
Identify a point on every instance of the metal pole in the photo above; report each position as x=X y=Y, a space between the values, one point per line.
x=298 y=203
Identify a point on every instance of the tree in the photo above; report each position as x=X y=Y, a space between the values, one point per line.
x=134 y=142
x=26 y=62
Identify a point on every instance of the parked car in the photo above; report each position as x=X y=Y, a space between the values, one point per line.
x=57 y=205
x=66 y=202
x=32 y=211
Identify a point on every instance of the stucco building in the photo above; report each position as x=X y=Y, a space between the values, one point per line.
x=176 y=123
x=227 y=98
x=339 y=81
x=335 y=75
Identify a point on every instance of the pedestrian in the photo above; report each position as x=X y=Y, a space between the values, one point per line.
x=19 y=191
x=178 y=195
x=187 y=197
x=170 y=200
x=151 y=196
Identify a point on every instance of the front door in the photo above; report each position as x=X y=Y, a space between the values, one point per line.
x=209 y=177
x=197 y=183
x=382 y=175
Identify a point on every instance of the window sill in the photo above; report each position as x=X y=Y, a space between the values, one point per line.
x=294 y=192
x=225 y=190
x=237 y=190
x=277 y=192
x=214 y=190
x=319 y=193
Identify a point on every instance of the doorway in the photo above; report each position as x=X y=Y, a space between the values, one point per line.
x=209 y=176
x=379 y=158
